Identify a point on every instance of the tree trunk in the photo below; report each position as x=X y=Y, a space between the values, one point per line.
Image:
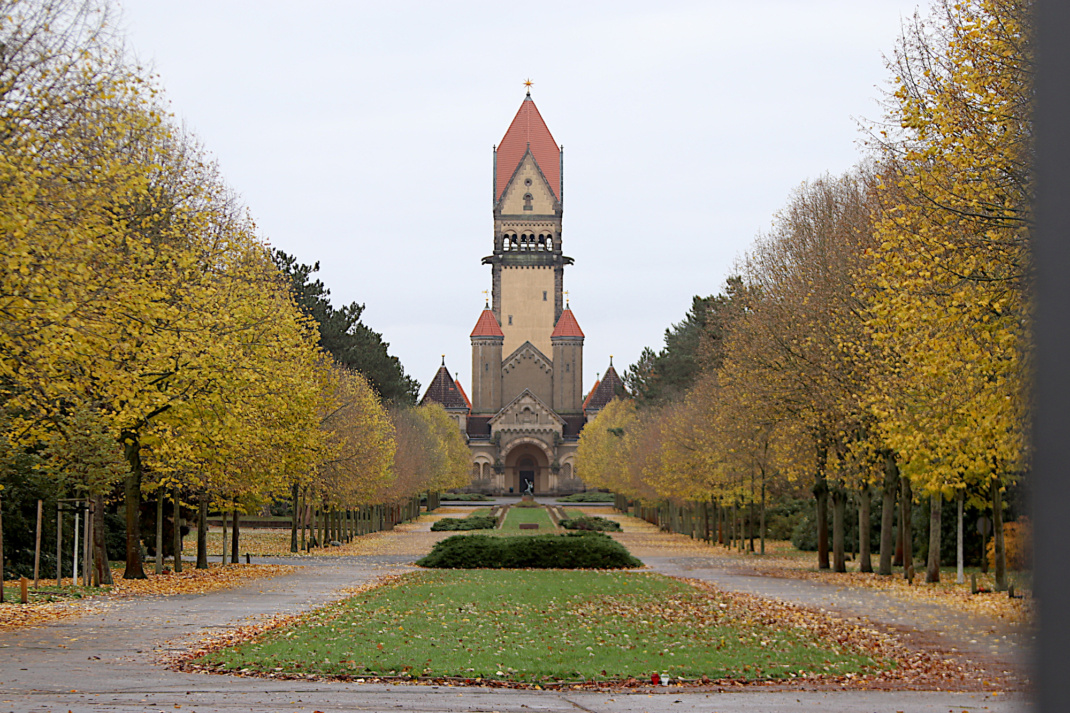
x=905 y=513
x=936 y=506
x=750 y=526
x=959 y=555
x=718 y=516
x=59 y=546
x=293 y=518
x=159 y=530
x=176 y=516
x=304 y=522
x=821 y=494
x=202 y=532
x=234 y=536
x=997 y=534
x=839 y=508
x=888 y=533
x=223 y=518
x=132 y=495
x=897 y=560
x=762 y=523
x=87 y=546
x=101 y=568
x=984 y=546
x=865 y=561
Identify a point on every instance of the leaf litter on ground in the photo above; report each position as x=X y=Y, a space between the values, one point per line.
x=190 y=581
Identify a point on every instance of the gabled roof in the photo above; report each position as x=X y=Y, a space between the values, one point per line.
x=567 y=326
x=526 y=393
x=605 y=390
x=443 y=390
x=467 y=401
x=541 y=360
x=528 y=130
x=487 y=326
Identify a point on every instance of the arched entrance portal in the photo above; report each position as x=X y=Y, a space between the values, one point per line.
x=526 y=470
x=526 y=465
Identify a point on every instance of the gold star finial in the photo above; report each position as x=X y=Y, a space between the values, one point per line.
x=528 y=83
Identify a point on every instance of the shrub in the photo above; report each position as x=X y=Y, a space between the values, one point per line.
x=464 y=497
x=466 y=523
x=593 y=496
x=1017 y=544
x=784 y=515
x=573 y=550
x=527 y=504
x=589 y=522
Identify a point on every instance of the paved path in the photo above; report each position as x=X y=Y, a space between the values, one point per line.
x=103 y=661
x=1004 y=644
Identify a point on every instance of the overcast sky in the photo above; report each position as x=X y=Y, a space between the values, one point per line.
x=359 y=134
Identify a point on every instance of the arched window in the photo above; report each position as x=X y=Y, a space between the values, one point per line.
x=527 y=201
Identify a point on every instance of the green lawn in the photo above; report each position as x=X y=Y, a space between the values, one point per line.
x=48 y=592
x=532 y=626
x=516 y=515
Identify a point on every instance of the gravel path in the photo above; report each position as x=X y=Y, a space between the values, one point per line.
x=104 y=661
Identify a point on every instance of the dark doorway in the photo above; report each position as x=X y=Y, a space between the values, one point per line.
x=526 y=470
x=527 y=481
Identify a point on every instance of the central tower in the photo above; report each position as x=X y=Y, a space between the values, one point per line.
x=527 y=407
x=527 y=265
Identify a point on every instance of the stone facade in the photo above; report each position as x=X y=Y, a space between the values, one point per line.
x=527 y=407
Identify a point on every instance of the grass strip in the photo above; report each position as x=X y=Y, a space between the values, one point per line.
x=537 y=515
x=532 y=626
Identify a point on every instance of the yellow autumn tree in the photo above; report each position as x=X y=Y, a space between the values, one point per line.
x=950 y=304
x=604 y=456
x=360 y=439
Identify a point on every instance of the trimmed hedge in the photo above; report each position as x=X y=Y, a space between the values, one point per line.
x=573 y=550
x=464 y=523
x=591 y=522
x=464 y=497
x=592 y=496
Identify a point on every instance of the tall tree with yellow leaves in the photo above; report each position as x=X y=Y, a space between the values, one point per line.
x=951 y=305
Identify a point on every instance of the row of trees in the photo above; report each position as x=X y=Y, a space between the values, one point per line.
x=878 y=334
x=149 y=342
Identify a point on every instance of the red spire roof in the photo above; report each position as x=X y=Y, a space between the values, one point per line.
x=591 y=394
x=567 y=326
x=463 y=395
x=487 y=326
x=527 y=129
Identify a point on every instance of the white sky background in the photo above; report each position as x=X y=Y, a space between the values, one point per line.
x=359 y=134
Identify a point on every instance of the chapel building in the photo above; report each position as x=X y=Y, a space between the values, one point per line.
x=527 y=404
